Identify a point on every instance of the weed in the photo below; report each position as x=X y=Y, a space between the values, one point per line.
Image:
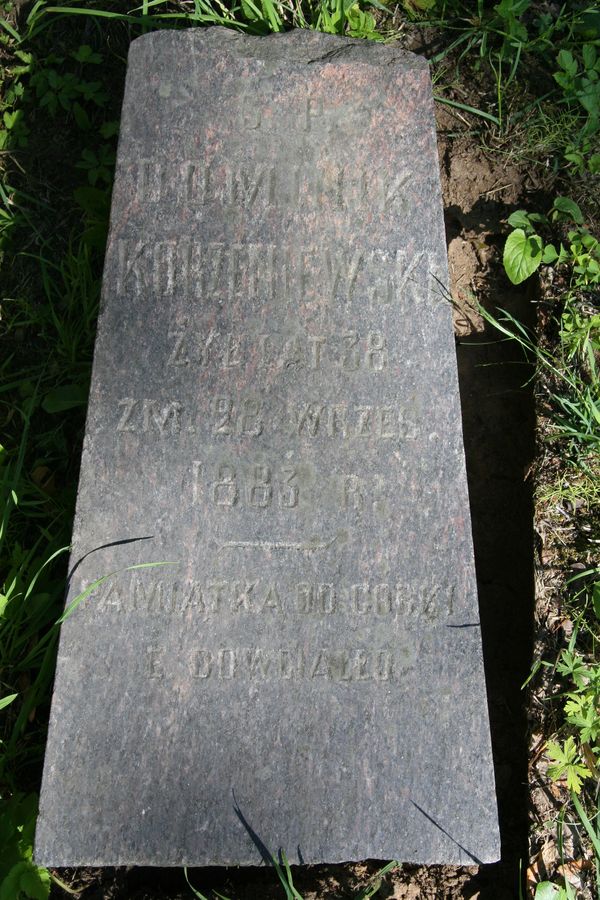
x=579 y=77
x=525 y=250
x=19 y=876
x=284 y=874
x=545 y=890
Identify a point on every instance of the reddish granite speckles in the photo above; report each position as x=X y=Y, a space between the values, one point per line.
x=274 y=409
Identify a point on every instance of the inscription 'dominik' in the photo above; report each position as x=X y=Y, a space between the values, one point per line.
x=274 y=426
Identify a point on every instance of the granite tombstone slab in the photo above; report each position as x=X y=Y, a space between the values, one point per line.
x=274 y=411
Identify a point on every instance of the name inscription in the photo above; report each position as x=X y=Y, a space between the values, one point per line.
x=294 y=187
x=262 y=273
x=288 y=663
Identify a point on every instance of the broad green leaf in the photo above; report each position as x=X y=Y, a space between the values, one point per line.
x=25 y=880
x=567 y=62
x=568 y=208
x=563 y=80
x=589 y=98
x=522 y=255
x=509 y=9
x=550 y=254
x=36 y=883
x=11 y=117
x=589 y=56
x=81 y=117
x=545 y=890
x=519 y=219
x=567 y=764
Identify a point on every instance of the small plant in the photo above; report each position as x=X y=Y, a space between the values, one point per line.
x=567 y=764
x=525 y=250
x=20 y=878
x=545 y=890
x=579 y=78
x=99 y=164
x=284 y=874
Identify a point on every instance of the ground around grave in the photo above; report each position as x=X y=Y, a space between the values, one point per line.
x=522 y=550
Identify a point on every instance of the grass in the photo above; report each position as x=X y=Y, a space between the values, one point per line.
x=61 y=71
x=284 y=875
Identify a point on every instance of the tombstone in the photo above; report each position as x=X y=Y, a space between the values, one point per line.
x=274 y=426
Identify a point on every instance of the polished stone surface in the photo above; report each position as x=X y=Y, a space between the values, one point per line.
x=274 y=415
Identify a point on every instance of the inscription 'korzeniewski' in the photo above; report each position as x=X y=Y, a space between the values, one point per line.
x=267 y=272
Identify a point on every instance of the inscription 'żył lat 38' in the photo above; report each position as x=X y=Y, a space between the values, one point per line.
x=274 y=413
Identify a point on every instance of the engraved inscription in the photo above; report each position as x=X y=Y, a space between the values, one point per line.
x=149 y=416
x=255 y=273
x=349 y=351
x=344 y=421
x=425 y=604
x=325 y=663
x=235 y=417
x=257 y=486
x=298 y=188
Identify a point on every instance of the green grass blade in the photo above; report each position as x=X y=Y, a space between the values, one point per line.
x=92 y=587
x=5 y=701
x=594 y=838
x=33 y=581
x=195 y=892
x=466 y=108
x=8 y=27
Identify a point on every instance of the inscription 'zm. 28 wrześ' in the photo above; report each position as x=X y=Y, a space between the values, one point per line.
x=272 y=535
